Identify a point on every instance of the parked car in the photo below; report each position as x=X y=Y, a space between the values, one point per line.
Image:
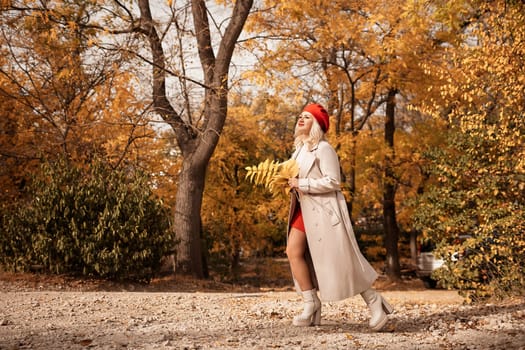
x=427 y=263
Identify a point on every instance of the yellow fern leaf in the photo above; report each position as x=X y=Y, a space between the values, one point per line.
x=273 y=175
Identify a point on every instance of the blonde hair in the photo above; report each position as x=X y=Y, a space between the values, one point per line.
x=311 y=140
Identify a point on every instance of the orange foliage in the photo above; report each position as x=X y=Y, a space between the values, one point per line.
x=61 y=96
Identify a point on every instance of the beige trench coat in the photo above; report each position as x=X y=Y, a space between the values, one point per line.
x=339 y=269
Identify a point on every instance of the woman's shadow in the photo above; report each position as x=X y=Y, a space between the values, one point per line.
x=423 y=320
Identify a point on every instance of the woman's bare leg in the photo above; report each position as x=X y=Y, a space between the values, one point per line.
x=295 y=250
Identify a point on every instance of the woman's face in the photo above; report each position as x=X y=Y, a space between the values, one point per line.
x=304 y=123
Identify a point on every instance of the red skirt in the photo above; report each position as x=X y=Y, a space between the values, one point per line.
x=297 y=220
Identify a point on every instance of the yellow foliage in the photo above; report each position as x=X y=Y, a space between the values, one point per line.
x=273 y=175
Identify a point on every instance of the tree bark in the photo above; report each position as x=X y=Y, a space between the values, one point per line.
x=393 y=270
x=187 y=219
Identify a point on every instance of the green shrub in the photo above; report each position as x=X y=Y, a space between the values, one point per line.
x=475 y=197
x=92 y=221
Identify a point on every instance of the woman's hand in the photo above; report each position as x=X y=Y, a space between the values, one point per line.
x=293 y=182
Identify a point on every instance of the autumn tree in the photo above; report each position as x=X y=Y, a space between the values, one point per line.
x=197 y=112
x=478 y=175
x=238 y=217
x=61 y=95
x=73 y=140
x=193 y=105
x=362 y=59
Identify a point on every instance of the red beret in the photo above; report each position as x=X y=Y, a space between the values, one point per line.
x=320 y=114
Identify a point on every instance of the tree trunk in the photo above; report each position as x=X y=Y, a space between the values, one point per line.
x=187 y=219
x=389 y=192
x=351 y=181
x=413 y=247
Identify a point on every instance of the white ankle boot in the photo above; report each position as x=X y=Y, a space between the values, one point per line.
x=379 y=308
x=312 y=310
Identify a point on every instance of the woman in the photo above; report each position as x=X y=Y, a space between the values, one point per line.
x=321 y=247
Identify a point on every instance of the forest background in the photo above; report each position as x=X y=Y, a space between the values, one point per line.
x=126 y=127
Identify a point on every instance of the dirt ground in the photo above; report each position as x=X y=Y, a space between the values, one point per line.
x=45 y=312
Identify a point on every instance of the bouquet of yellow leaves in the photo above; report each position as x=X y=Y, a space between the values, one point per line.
x=273 y=175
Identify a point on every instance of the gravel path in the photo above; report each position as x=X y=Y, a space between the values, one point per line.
x=431 y=319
